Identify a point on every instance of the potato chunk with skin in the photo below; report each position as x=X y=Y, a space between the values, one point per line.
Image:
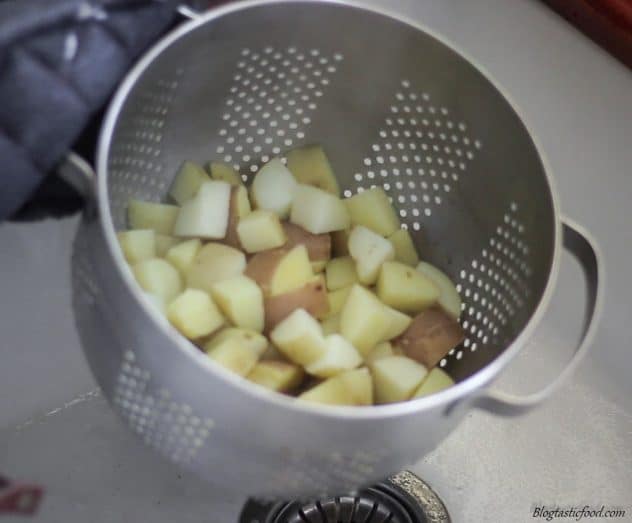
x=354 y=388
x=273 y=188
x=341 y=272
x=430 y=336
x=187 y=182
x=449 y=298
x=300 y=338
x=260 y=230
x=318 y=245
x=279 y=376
x=340 y=243
x=183 y=255
x=435 y=381
x=137 y=245
x=159 y=217
x=238 y=208
x=370 y=251
x=396 y=378
x=214 y=262
x=247 y=337
x=318 y=211
x=194 y=314
x=312 y=297
x=337 y=300
x=405 y=251
x=373 y=210
x=158 y=277
x=404 y=288
x=310 y=166
x=206 y=214
x=279 y=271
x=223 y=172
x=241 y=300
x=233 y=355
x=399 y=322
x=339 y=357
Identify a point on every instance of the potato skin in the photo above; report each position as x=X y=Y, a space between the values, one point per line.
x=430 y=336
x=312 y=297
x=261 y=266
x=318 y=245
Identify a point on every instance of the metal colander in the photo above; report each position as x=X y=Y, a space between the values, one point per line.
x=394 y=107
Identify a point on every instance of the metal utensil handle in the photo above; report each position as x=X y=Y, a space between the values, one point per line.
x=581 y=244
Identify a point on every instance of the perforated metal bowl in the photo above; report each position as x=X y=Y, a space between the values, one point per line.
x=394 y=106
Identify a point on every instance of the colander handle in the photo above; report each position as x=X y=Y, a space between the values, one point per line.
x=580 y=243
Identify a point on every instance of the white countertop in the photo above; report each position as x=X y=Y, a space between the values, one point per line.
x=577 y=449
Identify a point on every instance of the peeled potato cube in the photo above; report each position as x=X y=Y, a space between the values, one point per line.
x=312 y=297
x=233 y=355
x=164 y=242
x=159 y=217
x=404 y=288
x=381 y=350
x=364 y=320
x=370 y=251
x=137 y=245
x=373 y=210
x=405 y=250
x=398 y=323
x=260 y=230
x=396 y=378
x=206 y=214
x=239 y=207
x=279 y=376
x=318 y=211
x=223 y=172
x=241 y=300
x=435 y=381
x=214 y=262
x=273 y=188
x=340 y=243
x=430 y=336
x=341 y=272
x=158 y=277
x=449 y=298
x=194 y=314
x=187 y=182
x=318 y=245
x=337 y=300
x=246 y=337
x=310 y=166
x=354 y=388
x=339 y=356
x=280 y=271
x=331 y=325
x=183 y=255
x=300 y=338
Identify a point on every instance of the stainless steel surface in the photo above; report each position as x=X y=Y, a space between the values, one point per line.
x=417 y=125
x=575 y=448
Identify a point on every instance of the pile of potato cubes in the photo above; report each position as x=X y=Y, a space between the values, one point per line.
x=292 y=287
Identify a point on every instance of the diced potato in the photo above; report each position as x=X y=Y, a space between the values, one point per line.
x=364 y=320
x=238 y=208
x=159 y=217
x=339 y=356
x=405 y=250
x=337 y=300
x=430 y=336
x=280 y=271
x=277 y=375
x=214 y=262
x=300 y=338
x=183 y=255
x=312 y=297
x=158 y=277
x=341 y=272
x=405 y=289
x=260 y=230
x=396 y=378
x=164 y=242
x=310 y=166
x=399 y=322
x=370 y=251
x=318 y=245
x=318 y=211
x=273 y=188
x=354 y=387
x=223 y=172
x=137 y=245
x=449 y=298
x=318 y=266
x=233 y=355
x=187 y=182
x=340 y=243
x=241 y=300
x=381 y=350
x=194 y=314
x=331 y=325
x=248 y=338
x=206 y=214
x=436 y=380
x=373 y=210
